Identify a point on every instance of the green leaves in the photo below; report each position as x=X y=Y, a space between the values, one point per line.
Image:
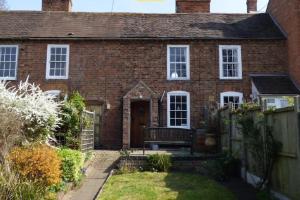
x=159 y=162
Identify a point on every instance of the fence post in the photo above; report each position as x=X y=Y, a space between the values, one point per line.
x=264 y=105
x=230 y=127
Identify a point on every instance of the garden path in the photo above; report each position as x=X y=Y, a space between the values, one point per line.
x=99 y=169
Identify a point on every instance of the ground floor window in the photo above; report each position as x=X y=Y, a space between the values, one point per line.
x=278 y=102
x=178 y=109
x=236 y=98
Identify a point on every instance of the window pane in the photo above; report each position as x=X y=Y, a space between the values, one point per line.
x=58 y=57
x=172 y=98
x=57 y=72
x=51 y=72
x=58 y=50
x=172 y=122
x=12 y=73
x=64 y=51
x=14 y=50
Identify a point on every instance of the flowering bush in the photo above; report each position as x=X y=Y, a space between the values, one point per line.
x=38 y=110
x=38 y=163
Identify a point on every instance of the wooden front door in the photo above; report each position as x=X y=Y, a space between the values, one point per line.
x=140 y=117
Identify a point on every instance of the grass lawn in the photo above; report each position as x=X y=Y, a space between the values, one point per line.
x=163 y=186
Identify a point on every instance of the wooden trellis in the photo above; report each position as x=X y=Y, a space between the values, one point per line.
x=87 y=131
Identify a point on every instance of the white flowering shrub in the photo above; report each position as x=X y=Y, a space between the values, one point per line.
x=38 y=110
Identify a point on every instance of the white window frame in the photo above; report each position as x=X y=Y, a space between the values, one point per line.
x=277 y=102
x=169 y=77
x=17 y=63
x=179 y=93
x=54 y=93
x=49 y=57
x=240 y=67
x=230 y=94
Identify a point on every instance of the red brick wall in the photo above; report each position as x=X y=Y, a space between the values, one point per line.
x=104 y=71
x=192 y=6
x=57 y=5
x=287 y=15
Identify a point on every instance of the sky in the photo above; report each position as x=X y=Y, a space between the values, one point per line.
x=156 y=6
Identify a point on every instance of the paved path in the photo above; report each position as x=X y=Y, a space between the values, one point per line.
x=96 y=174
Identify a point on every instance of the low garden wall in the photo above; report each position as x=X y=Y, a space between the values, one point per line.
x=178 y=163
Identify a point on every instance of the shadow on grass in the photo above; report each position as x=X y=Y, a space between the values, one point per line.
x=190 y=186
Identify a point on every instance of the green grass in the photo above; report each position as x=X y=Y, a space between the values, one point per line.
x=163 y=186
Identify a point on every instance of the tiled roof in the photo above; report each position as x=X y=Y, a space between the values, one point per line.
x=36 y=24
x=275 y=84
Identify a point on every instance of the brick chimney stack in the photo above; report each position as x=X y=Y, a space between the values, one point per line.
x=57 y=5
x=251 y=6
x=193 y=6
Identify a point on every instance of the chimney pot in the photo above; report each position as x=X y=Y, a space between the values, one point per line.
x=193 y=6
x=251 y=6
x=57 y=5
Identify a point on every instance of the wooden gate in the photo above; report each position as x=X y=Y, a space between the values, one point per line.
x=87 y=130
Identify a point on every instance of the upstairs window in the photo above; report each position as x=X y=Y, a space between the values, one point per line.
x=8 y=62
x=178 y=109
x=236 y=98
x=57 y=62
x=230 y=62
x=178 y=62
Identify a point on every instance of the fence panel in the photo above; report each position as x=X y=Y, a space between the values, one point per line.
x=285 y=125
x=87 y=131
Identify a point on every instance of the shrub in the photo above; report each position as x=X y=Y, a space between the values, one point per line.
x=38 y=110
x=159 y=162
x=13 y=187
x=10 y=131
x=71 y=112
x=38 y=163
x=222 y=168
x=72 y=164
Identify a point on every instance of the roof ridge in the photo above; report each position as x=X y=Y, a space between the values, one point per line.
x=133 y=13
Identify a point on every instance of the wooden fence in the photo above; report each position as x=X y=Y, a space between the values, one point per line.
x=87 y=131
x=285 y=124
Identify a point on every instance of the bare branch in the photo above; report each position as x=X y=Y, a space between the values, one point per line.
x=3 y=5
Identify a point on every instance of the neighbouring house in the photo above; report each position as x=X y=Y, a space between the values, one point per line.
x=139 y=70
x=277 y=90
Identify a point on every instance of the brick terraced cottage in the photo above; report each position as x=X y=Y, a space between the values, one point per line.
x=143 y=69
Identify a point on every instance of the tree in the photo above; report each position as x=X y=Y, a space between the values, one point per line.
x=3 y=5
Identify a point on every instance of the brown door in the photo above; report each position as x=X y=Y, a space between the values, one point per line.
x=140 y=117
